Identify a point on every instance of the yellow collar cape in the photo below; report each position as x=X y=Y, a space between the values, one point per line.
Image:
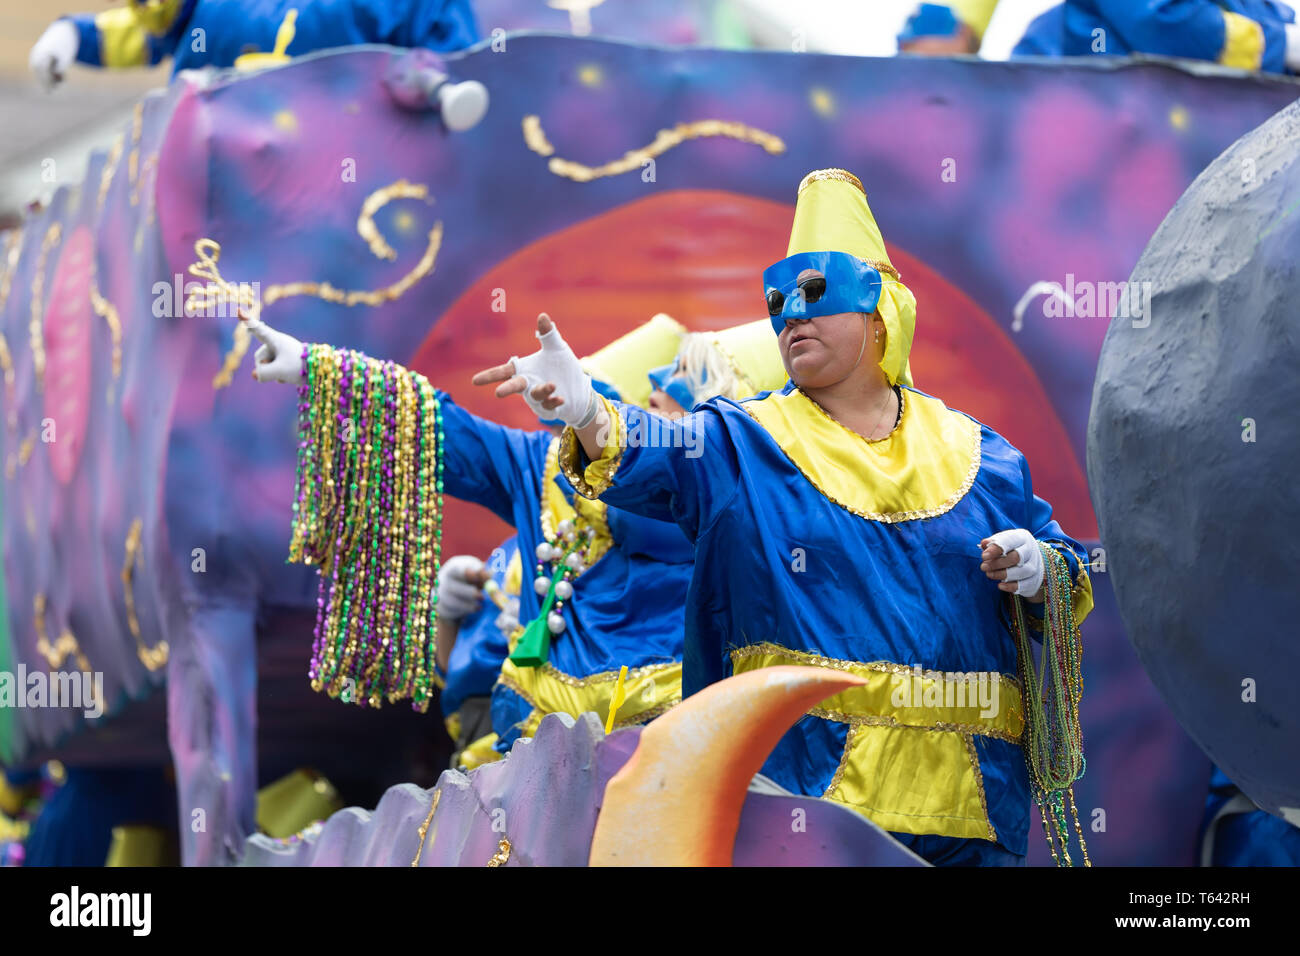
x=920 y=470
x=831 y=215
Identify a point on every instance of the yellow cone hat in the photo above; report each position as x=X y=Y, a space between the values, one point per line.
x=831 y=215
x=976 y=14
x=624 y=364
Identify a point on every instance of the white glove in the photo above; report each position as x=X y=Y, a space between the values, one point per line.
x=54 y=52
x=1292 y=55
x=458 y=598
x=279 y=358
x=1028 y=571
x=555 y=363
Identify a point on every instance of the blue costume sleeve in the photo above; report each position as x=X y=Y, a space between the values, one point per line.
x=436 y=24
x=684 y=471
x=488 y=464
x=1242 y=33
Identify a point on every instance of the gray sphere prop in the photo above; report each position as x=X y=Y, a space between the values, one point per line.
x=1193 y=455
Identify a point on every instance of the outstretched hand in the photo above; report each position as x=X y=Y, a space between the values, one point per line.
x=551 y=380
x=278 y=358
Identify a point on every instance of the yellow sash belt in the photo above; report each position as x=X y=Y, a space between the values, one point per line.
x=909 y=761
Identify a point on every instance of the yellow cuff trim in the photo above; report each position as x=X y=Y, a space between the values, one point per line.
x=121 y=38
x=1243 y=42
x=596 y=479
x=909 y=762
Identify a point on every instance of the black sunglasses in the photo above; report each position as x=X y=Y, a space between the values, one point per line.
x=812 y=286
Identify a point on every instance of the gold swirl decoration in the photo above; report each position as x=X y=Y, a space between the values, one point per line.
x=58 y=652
x=35 y=328
x=153 y=658
x=13 y=247
x=101 y=306
x=220 y=291
x=665 y=139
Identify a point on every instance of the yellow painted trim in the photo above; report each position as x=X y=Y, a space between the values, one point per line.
x=921 y=469
x=1243 y=42
x=911 y=768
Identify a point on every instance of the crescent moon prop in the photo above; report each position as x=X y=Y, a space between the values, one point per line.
x=677 y=801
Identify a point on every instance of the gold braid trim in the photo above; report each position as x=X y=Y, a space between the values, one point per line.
x=66 y=646
x=834 y=173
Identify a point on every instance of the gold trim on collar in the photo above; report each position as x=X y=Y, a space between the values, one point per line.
x=921 y=469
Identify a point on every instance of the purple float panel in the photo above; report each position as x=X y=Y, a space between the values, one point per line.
x=543 y=799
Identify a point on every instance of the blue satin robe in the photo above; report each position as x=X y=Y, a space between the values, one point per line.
x=628 y=608
x=909 y=592
x=1193 y=29
x=231 y=28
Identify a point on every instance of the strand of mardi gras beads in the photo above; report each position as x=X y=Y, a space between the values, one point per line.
x=368 y=513
x=1054 y=738
x=343 y=455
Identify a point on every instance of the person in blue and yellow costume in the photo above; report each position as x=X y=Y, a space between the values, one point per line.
x=943 y=29
x=1249 y=34
x=851 y=521
x=1236 y=832
x=603 y=588
x=198 y=33
x=473 y=643
x=733 y=363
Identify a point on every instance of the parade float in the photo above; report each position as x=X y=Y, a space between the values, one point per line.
x=147 y=494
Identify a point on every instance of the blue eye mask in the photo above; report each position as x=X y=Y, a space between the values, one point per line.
x=668 y=379
x=819 y=283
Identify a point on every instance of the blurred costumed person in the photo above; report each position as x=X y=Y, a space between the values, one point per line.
x=1249 y=34
x=473 y=643
x=732 y=363
x=198 y=33
x=607 y=587
x=852 y=521
x=944 y=29
x=1236 y=832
